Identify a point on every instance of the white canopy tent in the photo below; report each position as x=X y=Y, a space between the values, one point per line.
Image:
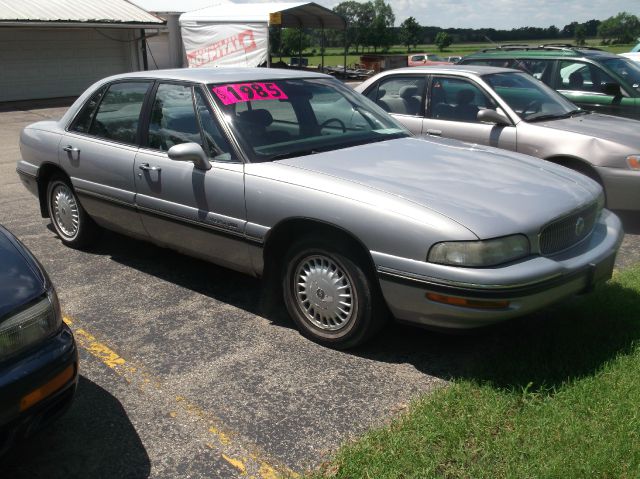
x=234 y=34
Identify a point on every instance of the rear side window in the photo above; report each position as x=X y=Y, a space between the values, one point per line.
x=118 y=115
x=401 y=95
x=580 y=76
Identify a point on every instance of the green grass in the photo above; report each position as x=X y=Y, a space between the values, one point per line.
x=335 y=56
x=553 y=396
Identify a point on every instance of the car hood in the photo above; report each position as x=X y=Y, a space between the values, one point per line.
x=20 y=278
x=612 y=128
x=489 y=191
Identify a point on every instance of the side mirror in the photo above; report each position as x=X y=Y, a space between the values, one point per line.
x=612 y=89
x=190 y=152
x=492 y=116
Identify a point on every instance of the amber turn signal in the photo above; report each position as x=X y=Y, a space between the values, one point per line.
x=48 y=389
x=467 y=303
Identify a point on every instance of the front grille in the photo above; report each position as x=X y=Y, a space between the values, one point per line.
x=567 y=231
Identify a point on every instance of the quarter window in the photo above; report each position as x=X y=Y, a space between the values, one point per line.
x=214 y=143
x=457 y=100
x=119 y=113
x=82 y=123
x=402 y=96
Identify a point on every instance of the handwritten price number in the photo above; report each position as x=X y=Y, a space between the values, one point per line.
x=242 y=92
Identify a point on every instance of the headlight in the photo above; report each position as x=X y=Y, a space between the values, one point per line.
x=633 y=161
x=480 y=253
x=30 y=326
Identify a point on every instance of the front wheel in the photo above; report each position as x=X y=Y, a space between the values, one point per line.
x=72 y=224
x=330 y=296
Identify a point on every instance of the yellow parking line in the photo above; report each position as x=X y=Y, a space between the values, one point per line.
x=243 y=462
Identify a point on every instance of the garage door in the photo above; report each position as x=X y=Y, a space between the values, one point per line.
x=59 y=62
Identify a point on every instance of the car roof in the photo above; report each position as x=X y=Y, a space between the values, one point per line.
x=220 y=75
x=472 y=69
x=542 y=51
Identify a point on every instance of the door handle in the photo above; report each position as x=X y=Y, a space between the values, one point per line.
x=434 y=132
x=71 y=149
x=146 y=167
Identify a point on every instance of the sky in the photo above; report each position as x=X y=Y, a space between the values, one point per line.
x=501 y=14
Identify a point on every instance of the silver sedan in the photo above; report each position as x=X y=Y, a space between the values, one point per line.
x=294 y=177
x=512 y=110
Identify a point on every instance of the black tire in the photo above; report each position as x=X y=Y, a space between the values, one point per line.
x=82 y=231
x=367 y=311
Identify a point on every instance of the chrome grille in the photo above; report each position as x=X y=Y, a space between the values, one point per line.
x=567 y=231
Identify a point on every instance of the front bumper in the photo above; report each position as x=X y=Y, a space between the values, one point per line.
x=622 y=188
x=44 y=378
x=527 y=286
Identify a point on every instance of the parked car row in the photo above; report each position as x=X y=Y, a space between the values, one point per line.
x=358 y=207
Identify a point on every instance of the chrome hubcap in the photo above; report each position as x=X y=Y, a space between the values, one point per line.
x=65 y=210
x=324 y=292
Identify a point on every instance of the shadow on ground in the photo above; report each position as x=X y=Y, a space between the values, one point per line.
x=93 y=439
x=539 y=352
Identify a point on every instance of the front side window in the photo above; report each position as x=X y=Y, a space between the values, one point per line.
x=457 y=99
x=173 y=119
x=531 y=99
x=118 y=115
x=401 y=95
x=296 y=117
x=625 y=69
x=580 y=76
x=215 y=143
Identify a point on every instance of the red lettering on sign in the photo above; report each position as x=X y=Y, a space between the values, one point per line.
x=243 y=41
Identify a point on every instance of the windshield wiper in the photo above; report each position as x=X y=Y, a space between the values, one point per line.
x=557 y=116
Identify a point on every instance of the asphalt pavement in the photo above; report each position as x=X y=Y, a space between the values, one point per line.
x=183 y=375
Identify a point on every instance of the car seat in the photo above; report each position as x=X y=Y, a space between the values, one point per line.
x=411 y=99
x=465 y=110
x=576 y=81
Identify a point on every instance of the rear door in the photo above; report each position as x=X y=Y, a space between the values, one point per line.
x=453 y=106
x=403 y=96
x=99 y=150
x=192 y=210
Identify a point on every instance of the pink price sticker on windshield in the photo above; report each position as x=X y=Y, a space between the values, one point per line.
x=241 y=92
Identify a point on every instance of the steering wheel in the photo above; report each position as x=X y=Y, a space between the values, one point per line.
x=333 y=120
x=533 y=106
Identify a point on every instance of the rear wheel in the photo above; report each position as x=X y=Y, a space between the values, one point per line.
x=330 y=296
x=72 y=224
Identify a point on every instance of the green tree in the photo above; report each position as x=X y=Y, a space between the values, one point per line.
x=381 y=32
x=292 y=40
x=443 y=40
x=623 y=28
x=350 y=10
x=581 y=35
x=410 y=33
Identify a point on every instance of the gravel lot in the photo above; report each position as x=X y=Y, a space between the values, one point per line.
x=181 y=374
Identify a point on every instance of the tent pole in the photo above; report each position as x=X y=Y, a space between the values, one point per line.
x=268 y=46
x=300 y=50
x=345 y=50
x=322 y=47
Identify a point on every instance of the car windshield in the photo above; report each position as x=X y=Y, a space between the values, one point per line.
x=278 y=119
x=530 y=98
x=625 y=69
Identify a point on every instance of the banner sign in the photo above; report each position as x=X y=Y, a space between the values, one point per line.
x=225 y=45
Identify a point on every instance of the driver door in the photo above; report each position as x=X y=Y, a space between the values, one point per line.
x=452 y=112
x=200 y=212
